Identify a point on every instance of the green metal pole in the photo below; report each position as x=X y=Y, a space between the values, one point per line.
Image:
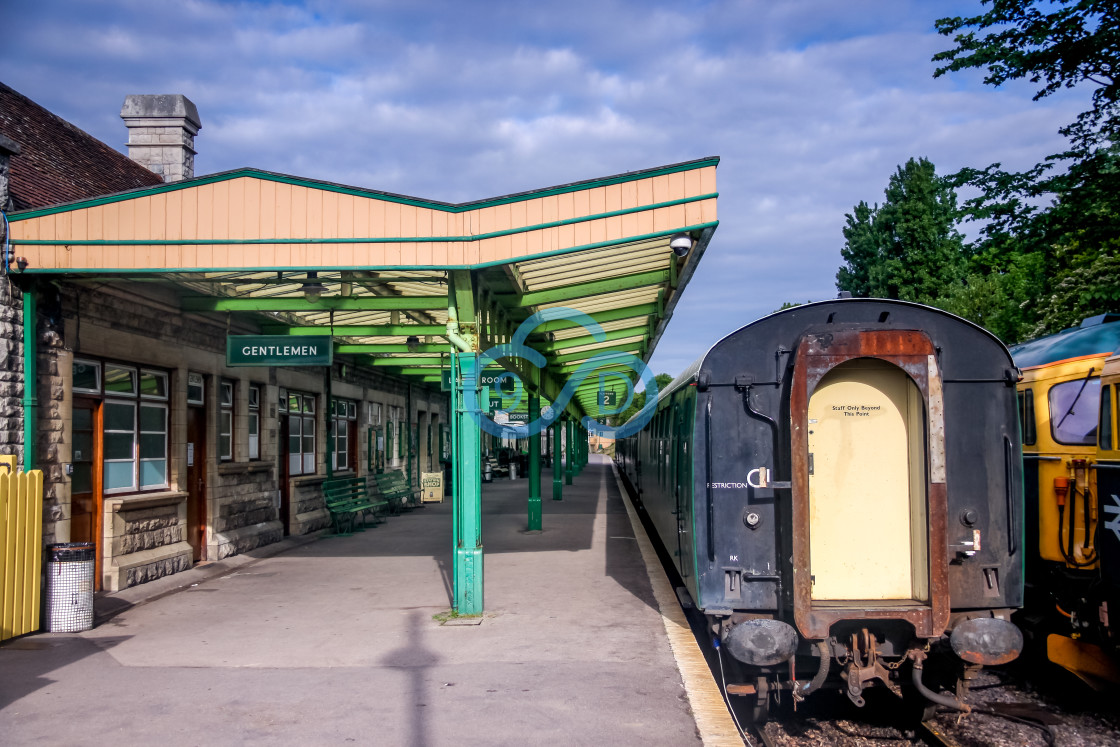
x=569 y=451
x=329 y=407
x=557 y=464
x=469 y=587
x=30 y=378
x=455 y=402
x=408 y=433
x=534 y=465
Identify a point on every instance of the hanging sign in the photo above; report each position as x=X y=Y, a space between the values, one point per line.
x=279 y=350
x=608 y=398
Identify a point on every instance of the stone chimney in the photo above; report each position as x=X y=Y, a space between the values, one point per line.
x=161 y=130
x=8 y=148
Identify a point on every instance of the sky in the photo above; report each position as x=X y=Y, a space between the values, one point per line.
x=811 y=105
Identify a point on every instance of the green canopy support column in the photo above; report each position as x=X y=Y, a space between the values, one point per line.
x=468 y=497
x=408 y=435
x=30 y=377
x=569 y=451
x=557 y=461
x=534 y=465
x=329 y=397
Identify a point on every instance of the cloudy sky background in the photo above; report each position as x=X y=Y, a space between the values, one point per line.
x=810 y=104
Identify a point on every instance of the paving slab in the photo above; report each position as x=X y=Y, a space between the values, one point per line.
x=340 y=640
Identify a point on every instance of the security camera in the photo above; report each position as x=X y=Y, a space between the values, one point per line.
x=681 y=244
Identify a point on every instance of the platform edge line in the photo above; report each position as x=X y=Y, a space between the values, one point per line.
x=709 y=710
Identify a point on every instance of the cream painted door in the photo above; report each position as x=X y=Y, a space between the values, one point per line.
x=865 y=494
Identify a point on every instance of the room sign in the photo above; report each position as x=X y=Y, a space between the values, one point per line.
x=279 y=350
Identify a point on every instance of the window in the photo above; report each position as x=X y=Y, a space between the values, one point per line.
x=345 y=424
x=1026 y=417
x=301 y=433
x=134 y=424
x=225 y=422
x=196 y=390
x=1074 y=406
x=1104 y=438
x=254 y=422
x=87 y=376
x=373 y=410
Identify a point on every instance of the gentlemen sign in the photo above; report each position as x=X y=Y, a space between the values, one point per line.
x=279 y=350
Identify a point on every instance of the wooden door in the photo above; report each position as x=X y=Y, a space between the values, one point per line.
x=865 y=499
x=196 y=482
x=85 y=482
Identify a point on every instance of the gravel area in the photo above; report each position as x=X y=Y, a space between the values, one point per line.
x=1009 y=711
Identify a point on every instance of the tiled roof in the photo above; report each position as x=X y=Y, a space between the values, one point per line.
x=57 y=161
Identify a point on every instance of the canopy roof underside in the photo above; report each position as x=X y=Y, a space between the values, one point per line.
x=391 y=271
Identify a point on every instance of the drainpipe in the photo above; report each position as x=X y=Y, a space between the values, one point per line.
x=453 y=332
x=30 y=378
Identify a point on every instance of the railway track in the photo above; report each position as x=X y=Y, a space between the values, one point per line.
x=1023 y=705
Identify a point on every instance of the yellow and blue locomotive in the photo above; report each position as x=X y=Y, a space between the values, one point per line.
x=1068 y=409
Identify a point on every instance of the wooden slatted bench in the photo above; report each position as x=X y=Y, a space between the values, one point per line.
x=395 y=489
x=347 y=499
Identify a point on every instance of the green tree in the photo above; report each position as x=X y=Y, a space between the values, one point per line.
x=1056 y=43
x=862 y=249
x=663 y=380
x=909 y=248
x=1060 y=218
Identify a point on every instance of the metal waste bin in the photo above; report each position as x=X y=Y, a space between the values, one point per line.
x=70 y=569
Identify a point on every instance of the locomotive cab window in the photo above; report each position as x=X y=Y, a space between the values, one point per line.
x=1104 y=436
x=1074 y=408
x=1026 y=417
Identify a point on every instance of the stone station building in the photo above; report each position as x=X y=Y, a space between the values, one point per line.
x=163 y=450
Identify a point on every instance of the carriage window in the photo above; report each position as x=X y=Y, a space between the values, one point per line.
x=1104 y=437
x=1026 y=417
x=1074 y=406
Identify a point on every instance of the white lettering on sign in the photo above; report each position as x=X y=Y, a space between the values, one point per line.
x=285 y=350
x=1114 y=511
x=729 y=485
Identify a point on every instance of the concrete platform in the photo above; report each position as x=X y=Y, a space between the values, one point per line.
x=340 y=640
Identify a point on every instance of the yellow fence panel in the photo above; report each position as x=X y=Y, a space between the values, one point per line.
x=21 y=551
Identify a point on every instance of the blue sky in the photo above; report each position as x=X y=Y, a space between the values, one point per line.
x=811 y=105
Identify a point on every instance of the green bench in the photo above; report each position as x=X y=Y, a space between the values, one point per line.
x=347 y=499
x=396 y=489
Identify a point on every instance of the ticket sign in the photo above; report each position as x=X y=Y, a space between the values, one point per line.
x=279 y=350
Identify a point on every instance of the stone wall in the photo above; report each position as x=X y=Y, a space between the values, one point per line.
x=247 y=515
x=11 y=369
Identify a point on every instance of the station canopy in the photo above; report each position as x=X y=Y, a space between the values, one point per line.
x=385 y=274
